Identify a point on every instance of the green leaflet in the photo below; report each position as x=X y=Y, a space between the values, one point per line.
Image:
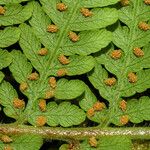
x=1 y=76
x=136 y=63
x=90 y=42
x=7 y=95
x=24 y=142
x=31 y=46
x=141 y=85
x=97 y=3
x=97 y=78
x=94 y=3
x=20 y=67
x=68 y=89
x=78 y=65
x=2 y=2
x=127 y=16
x=64 y=114
x=9 y=36
x=87 y=100
x=16 y=14
x=137 y=110
x=5 y=59
x=105 y=143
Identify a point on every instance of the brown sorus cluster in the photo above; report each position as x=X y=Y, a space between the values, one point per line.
x=132 y=77
x=116 y=54
x=18 y=103
x=2 y=10
x=144 y=26
x=61 y=7
x=8 y=147
x=98 y=106
x=138 y=52
x=6 y=139
x=86 y=12
x=147 y=2
x=43 y=52
x=52 y=28
x=71 y=146
x=123 y=105
x=40 y=121
x=124 y=2
x=52 y=82
x=91 y=112
x=42 y=105
x=23 y=86
x=63 y=59
x=93 y=142
x=73 y=36
x=124 y=119
x=33 y=76
x=61 y=72
x=49 y=94
x=110 y=81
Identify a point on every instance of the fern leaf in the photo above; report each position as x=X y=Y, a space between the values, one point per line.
x=16 y=14
x=5 y=59
x=64 y=114
x=9 y=36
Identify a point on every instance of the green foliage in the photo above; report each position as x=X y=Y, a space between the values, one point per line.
x=105 y=143
x=56 y=58
x=9 y=36
x=16 y=14
x=24 y=142
x=7 y=95
x=64 y=114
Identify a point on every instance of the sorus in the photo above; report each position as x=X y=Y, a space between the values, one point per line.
x=23 y=86
x=63 y=59
x=33 y=76
x=124 y=2
x=132 y=77
x=147 y=2
x=6 y=139
x=61 y=72
x=93 y=142
x=73 y=36
x=110 y=81
x=123 y=105
x=18 y=103
x=138 y=52
x=49 y=94
x=43 y=52
x=98 y=106
x=52 y=82
x=52 y=28
x=61 y=7
x=124 y=119
x=116 y=54
x=91 y=112
x=40 y=120
x=8 y=147
x=71 y=146
x=144 y=26
x=86 y=12
x=2 y=10
x=42 y=105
